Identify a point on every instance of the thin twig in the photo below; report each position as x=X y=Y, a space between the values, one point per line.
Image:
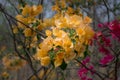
x=93 y=71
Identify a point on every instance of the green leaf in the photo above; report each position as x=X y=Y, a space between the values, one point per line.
x=51 y=54
x=36 y=24
x=86 y=51
x=63 y=66
x=73 y=41
x=71 y=32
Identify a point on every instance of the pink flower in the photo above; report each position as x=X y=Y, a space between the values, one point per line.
x=86 y=60
x=106 y=41
x=114 y=26
x=106 y=59
x=92 y=68
x=82 y=71
x=100 y=25
x=104 y=50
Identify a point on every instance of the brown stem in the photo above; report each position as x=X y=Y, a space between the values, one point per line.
x=14 y=39
x=116 y=67
x=3 y=11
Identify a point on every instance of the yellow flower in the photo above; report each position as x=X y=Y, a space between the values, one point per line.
x=5 y=75
x=28 y=32
x=33 y=78
x=57 y=41
x=15 y=30
x=59 y=33
x=41 y=53
x=45 y=61
x=55 y=8
x=67 y=42
x=70 y=10
x=47 y=44
x=87 y=20
x=58 y=62
x=22 y=19
x=26 y=10
x=49 y=22
x=6 y=61
x=69 y=56
x=41 y=73
x=61 y=22
x=59 y=59
x=75 y=20
x=35 y=10
x=34 y=42
x=80 y=31
x=48 y=33
x=62 y=3
x=89 y=32
x=40 y=27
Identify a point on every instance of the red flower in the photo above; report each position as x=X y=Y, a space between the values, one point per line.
x=114 y=27
x=106 y=59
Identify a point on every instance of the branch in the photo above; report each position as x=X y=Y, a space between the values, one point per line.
x=90 y=69
x=34 y=74
x=13 y=6
x=3 y=11
x=14 y=42
x=105 y=3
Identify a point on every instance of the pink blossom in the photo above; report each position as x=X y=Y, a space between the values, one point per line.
x=86 y=60
x=114 y=26
x=100 y=25
x=92 y=68
x=104 y=50
x=106 y=59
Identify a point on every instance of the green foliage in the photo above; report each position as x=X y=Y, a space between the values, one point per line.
x=63 y=66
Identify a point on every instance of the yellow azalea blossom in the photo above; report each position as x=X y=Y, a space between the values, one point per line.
x=5 y=75
x=62 y=3
x=67 y=42
x=47 y=44
x=23 y=20
x=70 y=10
x=58 y=62
x=80 y=31
x=55 y=8
x=6 y=62
x=33 y=78
x=26 y=10
x=89 y=32
x=34 y=42
x=58 y=59
x=75 y=20
x=48 y=33
x=35 y=10
x=40 y=27
x=41 y=53
x=59 y=33
x=15 y=30
x=61 y=22
x=49 y=22
x=45 y=61
x=87 y=20
x=41 y=73
x=28 y=32
x=69 y=56
x=58 y=41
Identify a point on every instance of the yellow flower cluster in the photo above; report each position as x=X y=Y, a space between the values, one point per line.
x=13 y=64
x=27 y=17
x=66 y=40
x=5 y=75
x=67 y=37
